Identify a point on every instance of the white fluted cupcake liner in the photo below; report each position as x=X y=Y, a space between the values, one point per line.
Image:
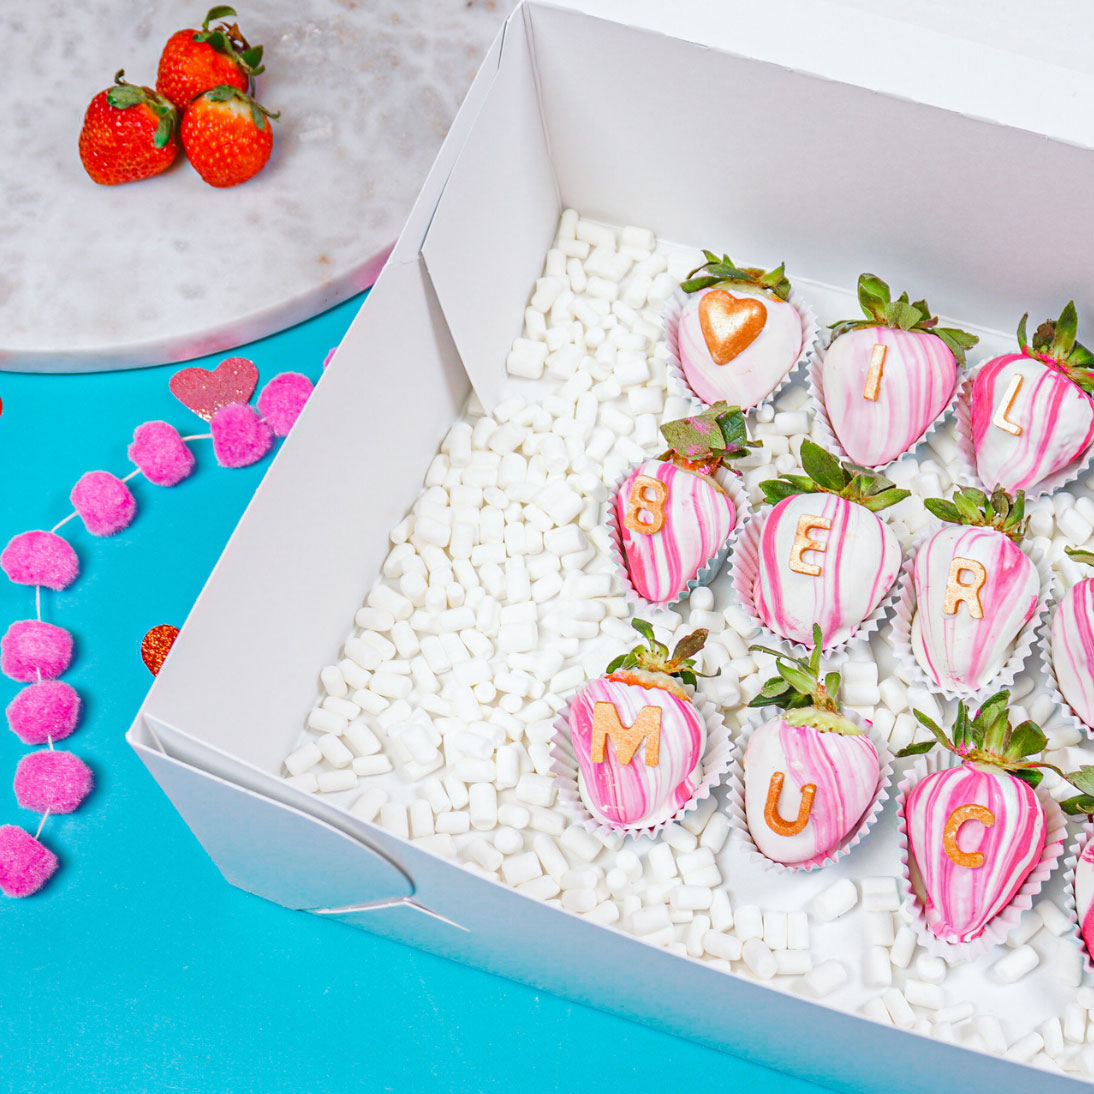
x=733 y=485
x=1052 y=684
x=825 y=435
x=678 y=384
x=966 y=453
x=995 y=933
x=904 y=611
x=738 y=817
x=715 y=762
x=743 y=571
x=1086 y=834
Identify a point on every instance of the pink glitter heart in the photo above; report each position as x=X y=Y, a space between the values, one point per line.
x=204 y=392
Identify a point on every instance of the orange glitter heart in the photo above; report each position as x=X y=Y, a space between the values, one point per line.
x=156 y=645
x=730 y=324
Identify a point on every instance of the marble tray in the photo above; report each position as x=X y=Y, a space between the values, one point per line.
x=168 y=269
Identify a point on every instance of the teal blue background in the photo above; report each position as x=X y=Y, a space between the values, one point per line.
x=138 y=968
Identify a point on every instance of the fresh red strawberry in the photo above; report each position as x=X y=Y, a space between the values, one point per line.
x=672 y=514
x=1032 y=412
x=810 y=774
x=887 y=378
x=976 y=831
x=227 y=136
x=824 y=555
x=194 y=61
x=637 y=736
x=128 y=134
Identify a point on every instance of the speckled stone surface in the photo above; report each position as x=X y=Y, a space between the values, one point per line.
x=169 y=268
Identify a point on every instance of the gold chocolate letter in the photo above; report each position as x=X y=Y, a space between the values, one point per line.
x=1001 y=418
x=804 y=542
x=647 y=496
x=968 y=591
x=963 y=813
x=626 y=739
x=873 y=377
x=771 y=808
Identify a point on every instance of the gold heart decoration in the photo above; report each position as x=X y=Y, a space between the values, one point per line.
x=730 y=324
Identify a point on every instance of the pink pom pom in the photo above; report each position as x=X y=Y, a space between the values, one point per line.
x=44 y=712
x=240 y=436
x=104 y=502
x=25 y=864
x=52 y=782
x=160 y=452
x=282 y=399
x=30 y=647
x=40 y=558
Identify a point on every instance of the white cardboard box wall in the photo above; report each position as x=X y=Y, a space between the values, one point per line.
x=602 y=116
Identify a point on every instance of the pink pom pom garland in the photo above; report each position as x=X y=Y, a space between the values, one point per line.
x=105 y=504
x=40 y=558
x=52 y=782
x=282 y=399
x=35 y=652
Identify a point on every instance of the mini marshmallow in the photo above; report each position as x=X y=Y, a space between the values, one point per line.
x=825 y=979
x=877 y=970
x=749 y=922
x=836 y=900
x=759 y=959
x=904 y=947
x=1016 y=964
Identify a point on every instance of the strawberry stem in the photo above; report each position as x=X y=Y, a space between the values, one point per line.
x=654 y=656
x=799 y=688
x=1054 y=344
x=881 y=310
x=973 y=508
x=710 y=439
x=722 y=271
x=824 y=474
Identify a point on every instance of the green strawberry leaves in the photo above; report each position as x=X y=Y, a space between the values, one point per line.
x=718 y=434
x=1054 y=342
x=654 y=655
x=722 y=271
x=976 y=509
x=125 y=95
x=1076 y=554
x=881 y=310
x=824 y=474
x=989 y=738
x=800 y=687
x=230 y=41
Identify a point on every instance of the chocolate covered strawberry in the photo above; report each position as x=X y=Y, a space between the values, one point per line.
x=885 y=379
x=824 y=555
x=1072 y=648
x=1032 y=412
x=810 y=774
x=637 y=736
x=975 y=589
x=672 y=514
x=1084 y=896
x=976 y=831
x=738 y=333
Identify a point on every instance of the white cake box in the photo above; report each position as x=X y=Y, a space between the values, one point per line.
x=830 y=138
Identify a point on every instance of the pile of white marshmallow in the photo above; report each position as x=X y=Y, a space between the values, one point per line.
x=498 y=600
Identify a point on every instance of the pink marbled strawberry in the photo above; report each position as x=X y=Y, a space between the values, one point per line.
x=637 y=736
x=1072 y=647
x=825 y=557
x=975 y=589
x=672 y=514
x=810 y=774
x=976 y=831
x=738 y=334
x=886 y=379
x=1084 y=896
x=1032 y=412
